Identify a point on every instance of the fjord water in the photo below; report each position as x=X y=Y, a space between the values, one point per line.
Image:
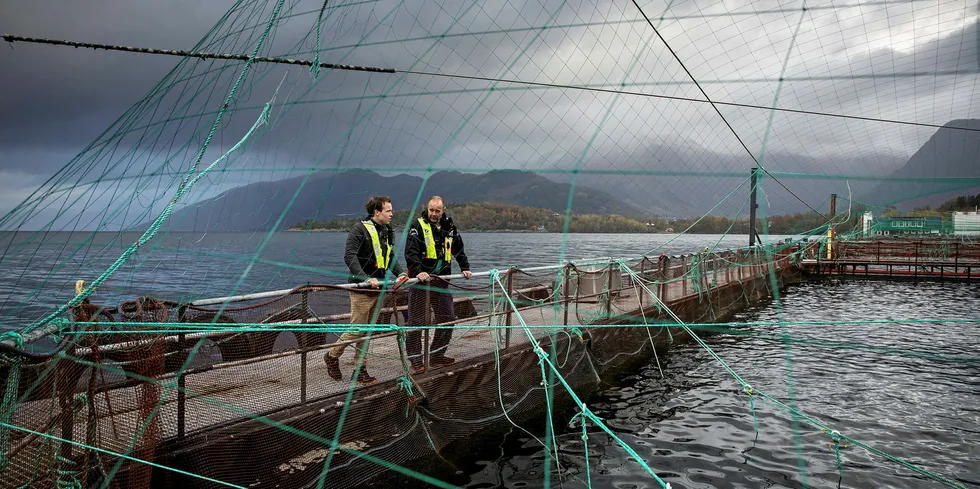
x=908 y=388
x=38 y=272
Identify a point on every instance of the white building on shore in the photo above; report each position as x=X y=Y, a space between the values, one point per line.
x=966 y=223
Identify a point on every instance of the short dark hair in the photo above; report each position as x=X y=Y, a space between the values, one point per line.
x=376 y=203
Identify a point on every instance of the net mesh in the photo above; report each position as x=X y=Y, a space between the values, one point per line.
x=141 y=352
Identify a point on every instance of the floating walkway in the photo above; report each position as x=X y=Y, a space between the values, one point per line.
x=898 y=259
x=233 y=382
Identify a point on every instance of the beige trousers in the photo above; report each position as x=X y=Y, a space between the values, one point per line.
x=362 y=308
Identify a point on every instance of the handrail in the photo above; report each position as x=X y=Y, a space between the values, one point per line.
x=53 y=327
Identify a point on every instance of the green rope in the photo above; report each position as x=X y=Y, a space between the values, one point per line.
x=835 y=436
x=748 y=390
x=585 y=448
x=315 y=67
x=495 y=275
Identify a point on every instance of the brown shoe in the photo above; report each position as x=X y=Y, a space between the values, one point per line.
x=364 y=378
x=416 y=368
x=333 y=367
x=441 y=361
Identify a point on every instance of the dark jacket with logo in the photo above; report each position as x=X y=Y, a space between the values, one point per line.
x=415 y=248
x=359 y=252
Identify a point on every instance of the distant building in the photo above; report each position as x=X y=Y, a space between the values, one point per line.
x=892 y=226
x=868 y=224
x=966 y=223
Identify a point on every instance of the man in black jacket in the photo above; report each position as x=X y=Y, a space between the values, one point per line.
x=368 y=256
x=433 y=242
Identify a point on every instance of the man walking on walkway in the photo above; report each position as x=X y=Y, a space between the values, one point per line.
x=368 y=257
x=433 y=242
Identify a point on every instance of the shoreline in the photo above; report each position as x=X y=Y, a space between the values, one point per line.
x=468 y=231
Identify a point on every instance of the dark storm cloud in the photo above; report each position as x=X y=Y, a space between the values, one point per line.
x=58 y=99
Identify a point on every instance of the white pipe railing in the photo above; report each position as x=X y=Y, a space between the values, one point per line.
x=53 y=328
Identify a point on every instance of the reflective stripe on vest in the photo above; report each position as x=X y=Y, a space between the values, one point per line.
x=381 y=261
x=430 y=242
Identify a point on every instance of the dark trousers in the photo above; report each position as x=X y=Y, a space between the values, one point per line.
x=441 y=303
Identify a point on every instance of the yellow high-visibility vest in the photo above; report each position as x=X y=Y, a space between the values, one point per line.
x=430 y=242
x=380 y=260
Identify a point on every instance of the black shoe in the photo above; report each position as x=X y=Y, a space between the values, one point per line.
x=333 y=367
x=364 y=378
x=441 y=361
x=417 y=368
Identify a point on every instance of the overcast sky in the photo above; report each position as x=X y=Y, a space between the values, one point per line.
x=905 y=61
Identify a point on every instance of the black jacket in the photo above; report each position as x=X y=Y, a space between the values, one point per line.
x=359 y=252
x=415 y=248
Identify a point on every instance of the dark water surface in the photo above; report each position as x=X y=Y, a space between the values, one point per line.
x=907 y=388
x=910 y=389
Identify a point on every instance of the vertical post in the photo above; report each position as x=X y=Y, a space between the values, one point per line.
x=302 y=345
x=662 y=286
x=609 y=292
x=956 y=258
x=427 y=321
x=916 y=272
x=684 y=269
x=181 y=384
x=510 y=293
x=752 y=206
x=640 y=289
x=181 y=406
x=830 y=227
x=728 y=267
x=568 y=297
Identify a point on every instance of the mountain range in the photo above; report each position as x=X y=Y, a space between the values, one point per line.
x=946 y=166
x=952 y=151
x=328 y=195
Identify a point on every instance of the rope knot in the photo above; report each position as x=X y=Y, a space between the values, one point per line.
x=14 y=336
x=405 y=384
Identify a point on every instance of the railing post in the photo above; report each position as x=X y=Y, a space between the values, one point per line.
x=427 y=321
x=510 y=293
x=181 y=406
x=302 y=356
x=662 y=286
x=916 y=272
x=728 y=268
x=640 y=289
x=685 y=262
x=568 y=296
x=181 y=384
x=609 y=291
x=956 y=257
